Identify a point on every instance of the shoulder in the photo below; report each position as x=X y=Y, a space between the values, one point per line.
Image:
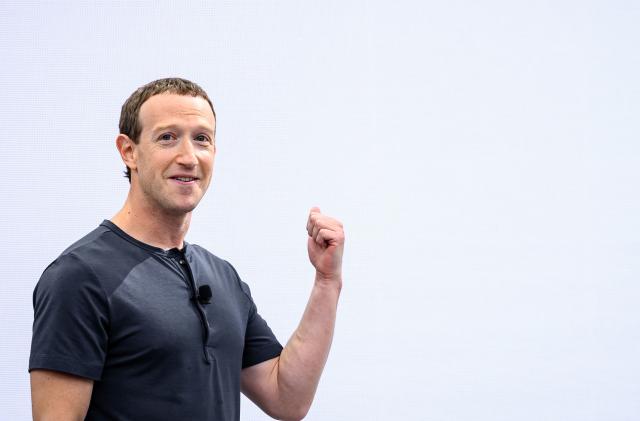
x=68 y=285
x=200 y=255
x=101 y=259
x=88 y=252
x=73 y=265
x=224 y=270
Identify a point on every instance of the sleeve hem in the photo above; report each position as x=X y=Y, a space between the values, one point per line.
x=65 y=365
x=265 y=354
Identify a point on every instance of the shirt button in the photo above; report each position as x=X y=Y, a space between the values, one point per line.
x=182 y=262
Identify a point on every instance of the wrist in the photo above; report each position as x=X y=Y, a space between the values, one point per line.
x=329 y=281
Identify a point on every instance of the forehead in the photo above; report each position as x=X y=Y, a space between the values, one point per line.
x=167 y=109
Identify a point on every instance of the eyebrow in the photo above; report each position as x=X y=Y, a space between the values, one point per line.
x=205 y=129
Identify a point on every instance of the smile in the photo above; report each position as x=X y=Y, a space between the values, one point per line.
x=185 y=180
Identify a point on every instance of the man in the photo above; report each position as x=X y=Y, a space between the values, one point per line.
x=133 y=323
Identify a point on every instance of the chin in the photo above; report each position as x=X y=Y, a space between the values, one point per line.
x=180 y=208
x=186 y=208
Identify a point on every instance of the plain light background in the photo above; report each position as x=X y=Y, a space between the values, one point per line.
x=483 y=156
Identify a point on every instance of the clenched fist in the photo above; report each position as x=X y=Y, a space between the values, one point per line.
x=325 y=245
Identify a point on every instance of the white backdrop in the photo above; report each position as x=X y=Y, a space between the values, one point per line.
x=483 y=156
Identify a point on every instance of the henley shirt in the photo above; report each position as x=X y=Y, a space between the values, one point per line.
x=126 y=315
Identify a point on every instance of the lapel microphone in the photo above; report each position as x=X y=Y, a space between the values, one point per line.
x=204 y=294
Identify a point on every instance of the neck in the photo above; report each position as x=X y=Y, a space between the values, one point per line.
x=151 y=225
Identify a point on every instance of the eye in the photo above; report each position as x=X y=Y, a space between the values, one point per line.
x=203 y=139
x=166 y=137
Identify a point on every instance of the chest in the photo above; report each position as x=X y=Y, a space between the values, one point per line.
x=153 y=314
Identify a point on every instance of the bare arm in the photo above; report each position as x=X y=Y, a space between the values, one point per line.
x=284 y=387
x=59 y=396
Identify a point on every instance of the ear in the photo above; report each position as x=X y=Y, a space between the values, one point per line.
x=127 y=149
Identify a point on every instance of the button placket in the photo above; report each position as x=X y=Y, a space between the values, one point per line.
x=203 y=317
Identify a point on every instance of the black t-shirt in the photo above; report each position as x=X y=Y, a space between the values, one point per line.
x=125 y=314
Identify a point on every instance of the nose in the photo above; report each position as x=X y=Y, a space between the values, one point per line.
x=186 y=154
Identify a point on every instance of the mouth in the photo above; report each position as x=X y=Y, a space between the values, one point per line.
x=184 y=180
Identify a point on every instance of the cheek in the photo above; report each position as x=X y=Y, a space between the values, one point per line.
x=206 y=160
x=156 y=162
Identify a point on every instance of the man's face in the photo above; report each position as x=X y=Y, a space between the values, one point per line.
x=175 y=152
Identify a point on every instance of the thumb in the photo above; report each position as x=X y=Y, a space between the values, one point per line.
x=314 y=209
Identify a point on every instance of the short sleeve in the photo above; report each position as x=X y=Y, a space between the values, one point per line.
x=71 y=319
x=260 y=344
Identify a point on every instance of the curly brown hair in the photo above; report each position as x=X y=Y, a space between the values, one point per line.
x=129 y=116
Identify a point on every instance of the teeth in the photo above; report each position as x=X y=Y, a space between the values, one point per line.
x=185 y=178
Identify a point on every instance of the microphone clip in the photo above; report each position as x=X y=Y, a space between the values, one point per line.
x=204 y=294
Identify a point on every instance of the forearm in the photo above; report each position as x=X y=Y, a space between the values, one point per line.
x=303 y=358
x=284 y=386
